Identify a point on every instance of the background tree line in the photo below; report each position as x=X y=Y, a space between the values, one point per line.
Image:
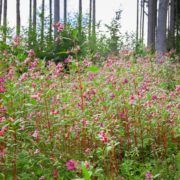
x=162 y=33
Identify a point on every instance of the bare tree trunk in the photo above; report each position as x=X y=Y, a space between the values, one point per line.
x=50 y=20
x=80 y=18
x=94 y=22
x=34 y=19
x=161 y=30
x=152 y=15
x=172 y=25
x=90 y=18
x=1 y=4
x=5 y=21
x=142 y=33
x=56 y=15
x=30 y=21
x=18 y=18
x=137 y=24
x=42 y=23
x=65 y=13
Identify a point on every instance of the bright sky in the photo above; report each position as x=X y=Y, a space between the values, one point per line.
x=105 y=11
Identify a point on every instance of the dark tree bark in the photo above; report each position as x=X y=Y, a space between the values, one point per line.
x=50 y=20
x=172 y=25
x=90 y=18
x=42 y=23
x=80 y=18
x=152 y=16
x=65 y=12
x=18 y=18
x=161 y=29
x=137 y=22
x=56 y=15
x=30 y=22
x=5 y=21
x=1 y=4
x=94 y=22
x=34 y=19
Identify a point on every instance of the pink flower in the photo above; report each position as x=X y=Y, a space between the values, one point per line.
x=154 y=97
x=103 y=137
x=42 y=178
x=125 y=81
x=31 y=53
x=56 y=111
x=71 y=165
x=36 y=134
x=87 y=165
x=148 y=175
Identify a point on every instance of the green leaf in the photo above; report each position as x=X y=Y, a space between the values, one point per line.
x=93 y=69
x=86 y=173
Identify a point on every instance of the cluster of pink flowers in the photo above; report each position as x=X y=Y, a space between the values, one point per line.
x=71 y=165
x=17 y=41
x=59 y=26
x=103 y=137
x=2 y=86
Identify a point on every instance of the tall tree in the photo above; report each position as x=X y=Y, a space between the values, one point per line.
x=50 y=20
x=65 y=12
x=34 y=18
x=161 y=29
x=1 y=4
x=56 y=15
x=172 y=25
x=80 y=18
x=137 y=22
x=152 y=16
x=90 y=18
x=18 y=17
x=30 y=20
x=94 y=22
x=42 y=23
x=5 y=20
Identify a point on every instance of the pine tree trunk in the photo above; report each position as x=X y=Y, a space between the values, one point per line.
x=65 y=12
x=152 y=16
x=5 y=21
x=172 y=25
x=161 y=30
x=80 y=18
x=1 y=10
x=137 y=22
x=18 y=17
x=94 y=22
x=56 y=15
x=34 y=20
x=90 y=18
x=42 y=23
x=50 y=20
x=30 y=22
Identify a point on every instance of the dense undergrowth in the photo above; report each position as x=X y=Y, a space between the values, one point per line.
x=114 y=121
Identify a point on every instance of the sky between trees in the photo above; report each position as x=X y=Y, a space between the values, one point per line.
x=105 y=11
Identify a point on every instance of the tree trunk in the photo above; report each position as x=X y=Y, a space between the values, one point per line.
x=152 y=16
x=94 y=22
x=50 y=20
x=90 y=18
x=18 y=18
x=65 y=13
x=137 y=22
x=56 y=15
x=172 y=25
x=42 y=23
x=1 y=10
x=5 y=21
x=34 y=19
x=30 y=21
x=161 y=30
x=80 y=18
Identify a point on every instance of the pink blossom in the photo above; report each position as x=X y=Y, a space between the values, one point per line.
x=56 y=111
x=31 y=53
x=125 y=81
x=42 y=178
x=36 y=134
x=36 y=96
x=55 y=173
x=148 y=175
x=71 y=165
x=87 y=165
x=103 y=137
